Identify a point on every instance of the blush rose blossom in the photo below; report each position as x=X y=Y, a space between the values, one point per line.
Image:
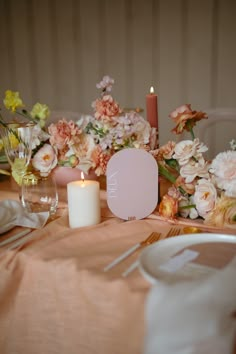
x=204 y=197
x=45 y=160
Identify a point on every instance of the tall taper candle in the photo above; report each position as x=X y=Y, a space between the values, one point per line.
x=152 y=108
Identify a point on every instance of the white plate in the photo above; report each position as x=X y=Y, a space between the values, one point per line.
x=5 y=219
x=159 y=253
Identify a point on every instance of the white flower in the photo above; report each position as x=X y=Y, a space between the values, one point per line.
x=187 y=149
x=204 y=197
x=185 y=211
x=106 y=83
x=231 y=189
x=38 y=135
x=45 y=160
x=194 y=169
x=224 y=169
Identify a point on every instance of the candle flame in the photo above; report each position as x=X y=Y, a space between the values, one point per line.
x=82 y=176
x=152 y=89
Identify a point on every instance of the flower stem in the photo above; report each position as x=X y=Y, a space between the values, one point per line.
x=165 y=173
x=192 y=133
x=190 y=129
x=26 y=115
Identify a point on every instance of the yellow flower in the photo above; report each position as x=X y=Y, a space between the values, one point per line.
x=18 y=170
x=14 y=142
x=40 y=112
x=1 y=144
x=12 y=100
x=224 y=213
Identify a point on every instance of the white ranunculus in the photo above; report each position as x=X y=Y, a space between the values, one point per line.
x=204 y=197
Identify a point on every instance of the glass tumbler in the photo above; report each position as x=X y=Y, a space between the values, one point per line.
x=39 y=194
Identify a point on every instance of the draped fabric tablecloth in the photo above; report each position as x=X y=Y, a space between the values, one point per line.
x=55 y=297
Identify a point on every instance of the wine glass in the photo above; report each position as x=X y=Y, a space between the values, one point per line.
x=17 y=142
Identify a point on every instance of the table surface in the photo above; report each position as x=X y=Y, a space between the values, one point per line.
x=55 y=297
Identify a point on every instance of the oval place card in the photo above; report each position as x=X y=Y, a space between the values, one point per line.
x=132 y=184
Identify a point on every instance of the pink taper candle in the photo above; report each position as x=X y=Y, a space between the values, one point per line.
x=152 y=108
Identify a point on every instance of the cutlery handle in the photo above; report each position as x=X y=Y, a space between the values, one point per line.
x=131 y=268
x=15 y=237
x=121 y=257
x=20 y=242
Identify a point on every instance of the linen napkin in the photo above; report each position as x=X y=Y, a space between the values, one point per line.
x=192 y=317
x=13 y=214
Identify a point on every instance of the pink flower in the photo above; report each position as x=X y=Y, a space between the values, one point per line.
x=185 y=118
x=106 y=108
x=45 y=160
x=64 y=134
x=185 y=108
x=224 y=169
x=204 y=197
x=165 y=152
x=100 y=160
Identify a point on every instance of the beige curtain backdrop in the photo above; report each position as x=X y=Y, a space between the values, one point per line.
x=55 y=51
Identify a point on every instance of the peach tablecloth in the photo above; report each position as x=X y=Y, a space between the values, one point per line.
x=55 y=297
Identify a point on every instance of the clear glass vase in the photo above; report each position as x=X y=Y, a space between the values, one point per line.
x=39 y=194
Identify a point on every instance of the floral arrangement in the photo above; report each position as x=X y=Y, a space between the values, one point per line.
x=199 y=188
x=89 y=143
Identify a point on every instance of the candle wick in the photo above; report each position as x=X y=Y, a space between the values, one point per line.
x=82 y=176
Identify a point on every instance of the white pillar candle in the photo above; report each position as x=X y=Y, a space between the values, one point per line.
x=83 y=203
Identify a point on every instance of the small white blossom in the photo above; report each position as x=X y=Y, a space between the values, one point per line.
x=106 y=83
